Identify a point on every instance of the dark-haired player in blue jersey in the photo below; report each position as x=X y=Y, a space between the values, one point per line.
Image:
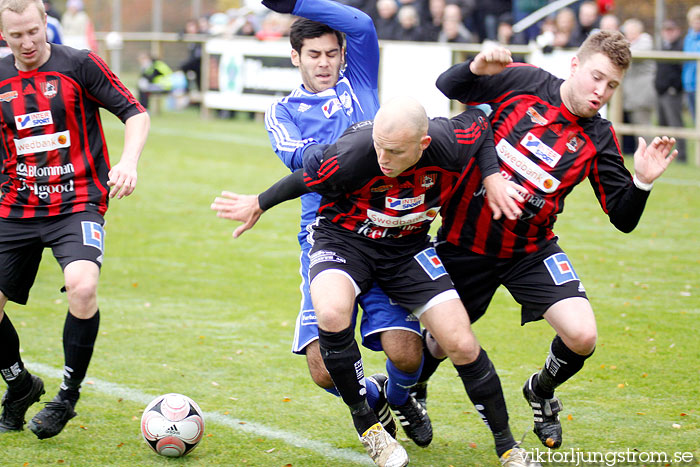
x=549 y=138
x=56 y=181
x=339 y=88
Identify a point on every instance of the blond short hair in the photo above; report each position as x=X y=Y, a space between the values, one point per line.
x=612 y=44
x=18 y=6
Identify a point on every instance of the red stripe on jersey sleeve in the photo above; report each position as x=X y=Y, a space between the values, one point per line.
x=116 y=83
x=326 y=170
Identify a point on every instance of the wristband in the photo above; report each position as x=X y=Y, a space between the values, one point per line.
x=641 y=185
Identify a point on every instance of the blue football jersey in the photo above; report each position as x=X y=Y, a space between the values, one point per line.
x=303 y=118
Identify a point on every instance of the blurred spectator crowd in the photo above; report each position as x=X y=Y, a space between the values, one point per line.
x=457 y=21
x=651 y=89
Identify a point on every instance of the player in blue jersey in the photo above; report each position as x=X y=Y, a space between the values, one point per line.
x=339 y=88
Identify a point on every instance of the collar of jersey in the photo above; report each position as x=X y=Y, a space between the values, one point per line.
x=330 y=92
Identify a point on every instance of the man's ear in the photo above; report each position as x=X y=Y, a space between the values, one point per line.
x=295 y=58
x=425 y=142
x=574 y=64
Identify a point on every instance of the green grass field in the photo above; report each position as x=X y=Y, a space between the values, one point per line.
x=186 y=308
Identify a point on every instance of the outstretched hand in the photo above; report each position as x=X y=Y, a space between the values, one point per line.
x=493 y=59
x=653 y=160
x=242 y=208
x=503 y=196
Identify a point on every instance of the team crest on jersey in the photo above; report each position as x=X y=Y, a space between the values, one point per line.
x=540 y=150
x=303 y=107
x=428 y=180
x=560 y=269
x=331 y=107
x=574 y=144
x=535 y=117
x=431 y=264
x=404 y=204
x=346 y=100
x=93 y=235
x=8 y=96
x=50 y=88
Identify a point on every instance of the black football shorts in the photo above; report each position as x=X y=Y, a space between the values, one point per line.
x=536 y=281
x=71 y=237
x=411 y=276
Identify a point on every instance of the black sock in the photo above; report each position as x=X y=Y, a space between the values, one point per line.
x=11 y=366
x=343 y=360
x=562 y=363
x=79 y=337
x=484 y=390
x=430 y=363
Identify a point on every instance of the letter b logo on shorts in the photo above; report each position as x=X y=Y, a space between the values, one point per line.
x=430 y=262
x=560 y=269
x=93 y=235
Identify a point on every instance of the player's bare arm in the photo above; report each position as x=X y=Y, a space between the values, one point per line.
x=650 y=161
x=123 y=175
x=241 y=208
x=493 y=59
x=503 y=196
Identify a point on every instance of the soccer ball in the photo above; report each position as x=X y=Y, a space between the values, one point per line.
x=172 y=425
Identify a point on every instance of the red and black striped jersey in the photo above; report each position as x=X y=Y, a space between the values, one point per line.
x=544 y=148
x=357 y=196
x=53 y=150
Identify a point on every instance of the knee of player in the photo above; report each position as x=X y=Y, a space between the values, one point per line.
x=408 y=362
x=81 y=291
x=404 y=349
x=583 y=342
x=317 y=369
x=462 y=346
x=333 y=319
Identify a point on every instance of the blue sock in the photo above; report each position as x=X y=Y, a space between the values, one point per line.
x=372 y=393
x=333 y=391
x=399 y=383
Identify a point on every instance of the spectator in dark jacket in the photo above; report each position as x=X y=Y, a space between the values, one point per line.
x=409 y=24
x=669 y=85
x=386 y=22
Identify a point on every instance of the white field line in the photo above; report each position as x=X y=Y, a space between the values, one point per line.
x=257 y=429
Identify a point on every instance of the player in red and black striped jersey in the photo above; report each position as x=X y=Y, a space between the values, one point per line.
x=549 y=138
x=387 y=205
x=55 y=186
x=381 y=185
